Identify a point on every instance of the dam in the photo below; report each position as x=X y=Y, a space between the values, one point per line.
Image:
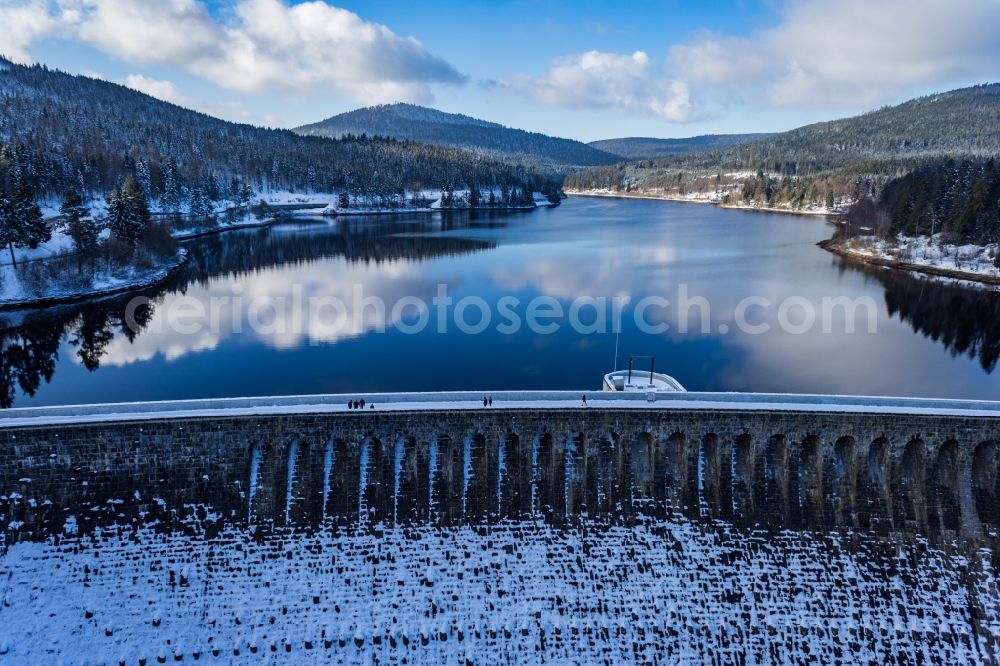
x=658 y=528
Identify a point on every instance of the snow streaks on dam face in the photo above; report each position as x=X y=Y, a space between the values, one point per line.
x=885 y=473
x=593 y=535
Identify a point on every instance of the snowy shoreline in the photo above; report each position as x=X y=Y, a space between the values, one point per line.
x=282 y=203
x=608 y=194
x=814 y=212
x=108 y=286
x=189 y=234
x=700 y=198
x=984 y=273
x=284 y=211
x=11 y=291
x=355 y=212
x=881 y=254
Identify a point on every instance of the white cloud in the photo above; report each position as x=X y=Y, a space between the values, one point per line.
x=597 y=79
x=235 y=112
x=291 y=306
x=266 y=46
x=168 y=92
x=166 y=31
x=164 y=90
x=848 y=53
x=22 y=24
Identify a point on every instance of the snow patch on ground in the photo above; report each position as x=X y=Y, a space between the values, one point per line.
x=710 y=197
x=654 y=193
x=59 y=244
x=420 y=201
x=287 y=198
x=51 y=207
x=673 y=590
x=193 y=228
x=810 y=209
x=26 y=285
x=933 y=252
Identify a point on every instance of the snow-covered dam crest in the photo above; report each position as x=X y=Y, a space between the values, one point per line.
x=761 y=529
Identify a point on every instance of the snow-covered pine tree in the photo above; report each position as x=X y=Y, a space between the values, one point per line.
x=138 y=202
x=246 y=194
x=79 y=225
x=211 y=187
x=194 y=203
x=21 y=223
x=142 y=178
x=118 y=214
x=6 y=229
x=201 y=206
x=170 y=201
x=240 y=193
x=128 y=211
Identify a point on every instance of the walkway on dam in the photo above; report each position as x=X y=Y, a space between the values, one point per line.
x=501 y=400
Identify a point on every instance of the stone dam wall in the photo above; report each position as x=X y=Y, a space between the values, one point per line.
x=603 y=535
x=935 y=475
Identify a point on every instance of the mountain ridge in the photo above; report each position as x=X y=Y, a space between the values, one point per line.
x=824 y=162
x=77 y=132
x=454 y=130
x=644 y=147
x=955 y=122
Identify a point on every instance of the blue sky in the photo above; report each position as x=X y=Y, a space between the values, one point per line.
x=584 y=70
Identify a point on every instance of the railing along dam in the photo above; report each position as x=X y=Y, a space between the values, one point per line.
x=923 y=467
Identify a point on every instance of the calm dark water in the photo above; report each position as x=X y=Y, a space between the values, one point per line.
x=931 y=339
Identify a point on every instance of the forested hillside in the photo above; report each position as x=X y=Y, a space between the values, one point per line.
x=645 y=148
x=847 y=158
x=64 y=132
x=957 y=198
x=407 y=121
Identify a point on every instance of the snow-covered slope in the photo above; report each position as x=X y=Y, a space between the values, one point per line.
x=77 y=132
